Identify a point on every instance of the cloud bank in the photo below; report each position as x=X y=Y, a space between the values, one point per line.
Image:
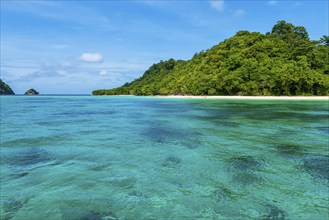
x=91 y=57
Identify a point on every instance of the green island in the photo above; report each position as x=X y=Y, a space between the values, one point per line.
x=281 y=62
x=5 y=89
x=31 y=92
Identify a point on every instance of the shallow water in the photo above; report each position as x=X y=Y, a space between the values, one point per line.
x=83 y=157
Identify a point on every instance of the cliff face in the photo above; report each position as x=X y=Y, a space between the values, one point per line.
x=31 y=92
x=5 y=89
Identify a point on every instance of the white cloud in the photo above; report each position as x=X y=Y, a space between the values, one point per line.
x=104 y=73
x=239 y=13
x=217 y=4
x=91 y=57
x=272 y=3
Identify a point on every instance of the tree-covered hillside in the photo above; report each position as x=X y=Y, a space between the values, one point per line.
x=281 y=62
x=5 y=89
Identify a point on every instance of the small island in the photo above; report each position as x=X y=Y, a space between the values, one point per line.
x=5 y=89
x=31 y=92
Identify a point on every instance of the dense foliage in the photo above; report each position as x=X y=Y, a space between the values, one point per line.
x=281 y=62
x=5 y=89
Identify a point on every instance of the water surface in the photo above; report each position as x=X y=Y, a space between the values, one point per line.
x=83 y=157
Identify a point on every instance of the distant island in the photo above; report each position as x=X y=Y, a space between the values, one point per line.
x=5 y=89
x=31 y=92
x=281 y=62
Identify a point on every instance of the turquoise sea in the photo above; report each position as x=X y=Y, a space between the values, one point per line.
x=90 y=158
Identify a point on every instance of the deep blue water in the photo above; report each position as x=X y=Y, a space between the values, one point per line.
x=85 y=157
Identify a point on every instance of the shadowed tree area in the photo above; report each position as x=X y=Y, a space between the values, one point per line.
x=281 y=62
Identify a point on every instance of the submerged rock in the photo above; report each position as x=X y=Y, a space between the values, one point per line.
x=317 y=166
x=244 y=163
x=290 y=150
x=81 y=214
x=222 y=193
x=324 y=130
x=92 y=216
x=192 y=143
x=243 y=169
x=124 y=181
x=246 y=178
x=28 y=157
x=274 y=213
x=31 y=92
x=172 y=162
x=11 y=206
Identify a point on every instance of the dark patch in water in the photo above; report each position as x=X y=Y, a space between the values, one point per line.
x=35 y=141
x=80 y=214
x=76 y=114
x=136 y=193
x=28 y=157
x=12 y=206
x=246 y=178
x=243 y=168
x=124 y=182
x=245 y=163
x=22 y=174
x=324 y=130
x=274 y=213
x=159 y=134
x=222 y=193
x=99 y=167
x=92 y=216
x=290 y=150
x=317 y=166
x=264 y=111
x=192 y=143
x=163 y=132
x=172 y=162
x=228 y=124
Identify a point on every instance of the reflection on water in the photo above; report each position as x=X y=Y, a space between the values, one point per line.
x=149 y=158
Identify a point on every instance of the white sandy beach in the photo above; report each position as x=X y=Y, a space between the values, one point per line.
x=326 y=98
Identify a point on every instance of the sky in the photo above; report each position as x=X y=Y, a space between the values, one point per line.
x=75 y=47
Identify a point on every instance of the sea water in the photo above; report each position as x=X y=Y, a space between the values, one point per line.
x=84 y=157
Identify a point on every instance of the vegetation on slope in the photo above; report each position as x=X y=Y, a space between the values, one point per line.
x=5 y=89
x=282 y=62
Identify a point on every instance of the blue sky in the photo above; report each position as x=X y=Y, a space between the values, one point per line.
x=74 y=47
